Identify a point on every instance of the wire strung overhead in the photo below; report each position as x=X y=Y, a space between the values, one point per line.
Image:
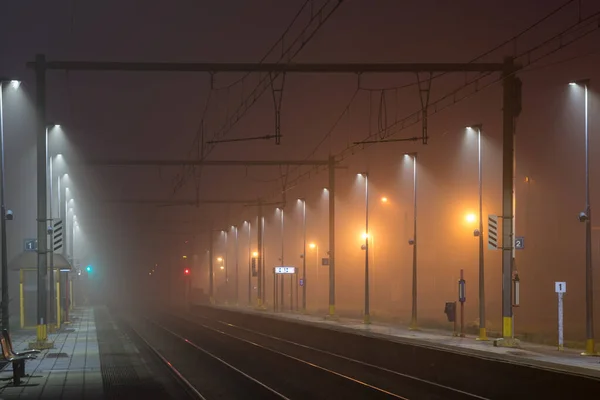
x=526 y=58
x=318 y=13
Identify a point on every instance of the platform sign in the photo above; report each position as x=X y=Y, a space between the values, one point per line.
x=325 y=261
x=520 y=242
x=285 y=270
x=301 y=282
x=30 y=244
x=560 y=288
x=492 y=232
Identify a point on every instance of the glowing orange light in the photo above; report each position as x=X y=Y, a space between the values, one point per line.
x=384 y=199
x=312 y=245
x=365 y=235
x=255 y=254
x=470 y=218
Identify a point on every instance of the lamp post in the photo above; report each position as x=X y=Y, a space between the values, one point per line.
x=225 y=266
x=365 y=247
x=303 y=254
x=586 y=217
x=281 y=285
x=413 y=242
x=3 y=216
x=51 y=286
x=249 y=262
x=314 y=246
x=237 y=271
x=479 y=234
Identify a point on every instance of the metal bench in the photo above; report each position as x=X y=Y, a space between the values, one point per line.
x=11 y=349
x=18 y=362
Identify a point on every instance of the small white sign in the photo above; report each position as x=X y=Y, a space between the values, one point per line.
x=560 y=287
x=285 y=270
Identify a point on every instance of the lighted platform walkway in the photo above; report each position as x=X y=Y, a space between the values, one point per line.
x=536 y=355
x=71 y=370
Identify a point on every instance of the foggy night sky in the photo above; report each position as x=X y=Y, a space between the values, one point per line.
x=157 y=115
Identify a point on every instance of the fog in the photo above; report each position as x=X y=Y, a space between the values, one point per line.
x=137 y=250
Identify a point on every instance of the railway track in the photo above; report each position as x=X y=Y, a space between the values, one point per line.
x=348 y=377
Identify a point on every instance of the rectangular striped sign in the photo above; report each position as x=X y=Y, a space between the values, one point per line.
x=57 y=235
x=492 y=232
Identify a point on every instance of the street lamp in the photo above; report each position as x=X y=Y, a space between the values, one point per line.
x=50 y=177
x=3 y=212
x=224 y=265
x=365 y=247
x=280 y=210
x=413 y=243
x=586 y=217
x=479 y=233
x=303 y=201
x=249 y=262
x=314 y=246
x=237 y=271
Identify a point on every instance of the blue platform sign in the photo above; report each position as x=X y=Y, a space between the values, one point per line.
x=30 y=244
x=520 y=242
x=301 y=282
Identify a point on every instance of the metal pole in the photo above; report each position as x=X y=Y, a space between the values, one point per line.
x=331 y=236
x=589 y=282
x=304 y=256
x=508 y=116
x=482 y=330
x=413 y=320
x=237 y=270
x=249 y=263
x=462 y=303
x=226 y=267
x=71 y=231
x=282 y=276
x=560 y=322
x=259 y=237
x=42 y=234
x=211 y=275
x=5 y=297
x=367 y=317
x=51 y=286
x=275 y=278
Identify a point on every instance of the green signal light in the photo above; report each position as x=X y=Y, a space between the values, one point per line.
x=88 y=268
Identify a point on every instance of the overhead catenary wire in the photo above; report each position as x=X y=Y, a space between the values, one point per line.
x=582 y=28
x=321 y=16
x=415 y=117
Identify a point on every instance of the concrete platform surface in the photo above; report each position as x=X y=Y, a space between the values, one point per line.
x=96 y=356
x=71 y=370
x=535 y=355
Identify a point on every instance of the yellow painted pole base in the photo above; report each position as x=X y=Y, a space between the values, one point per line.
x=367 y=319
x=41 y=342
x=261 y=306
x=482 y=335
x=590 y=348
x=413 y=325
x=331 y=316
x=42 y=333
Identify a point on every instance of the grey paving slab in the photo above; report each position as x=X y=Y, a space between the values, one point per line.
x=568 y=360
x=63 y=377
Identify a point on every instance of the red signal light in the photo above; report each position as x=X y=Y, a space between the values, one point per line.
x=186 y=271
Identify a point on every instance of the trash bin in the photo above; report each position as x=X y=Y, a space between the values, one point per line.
x=450 y=311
